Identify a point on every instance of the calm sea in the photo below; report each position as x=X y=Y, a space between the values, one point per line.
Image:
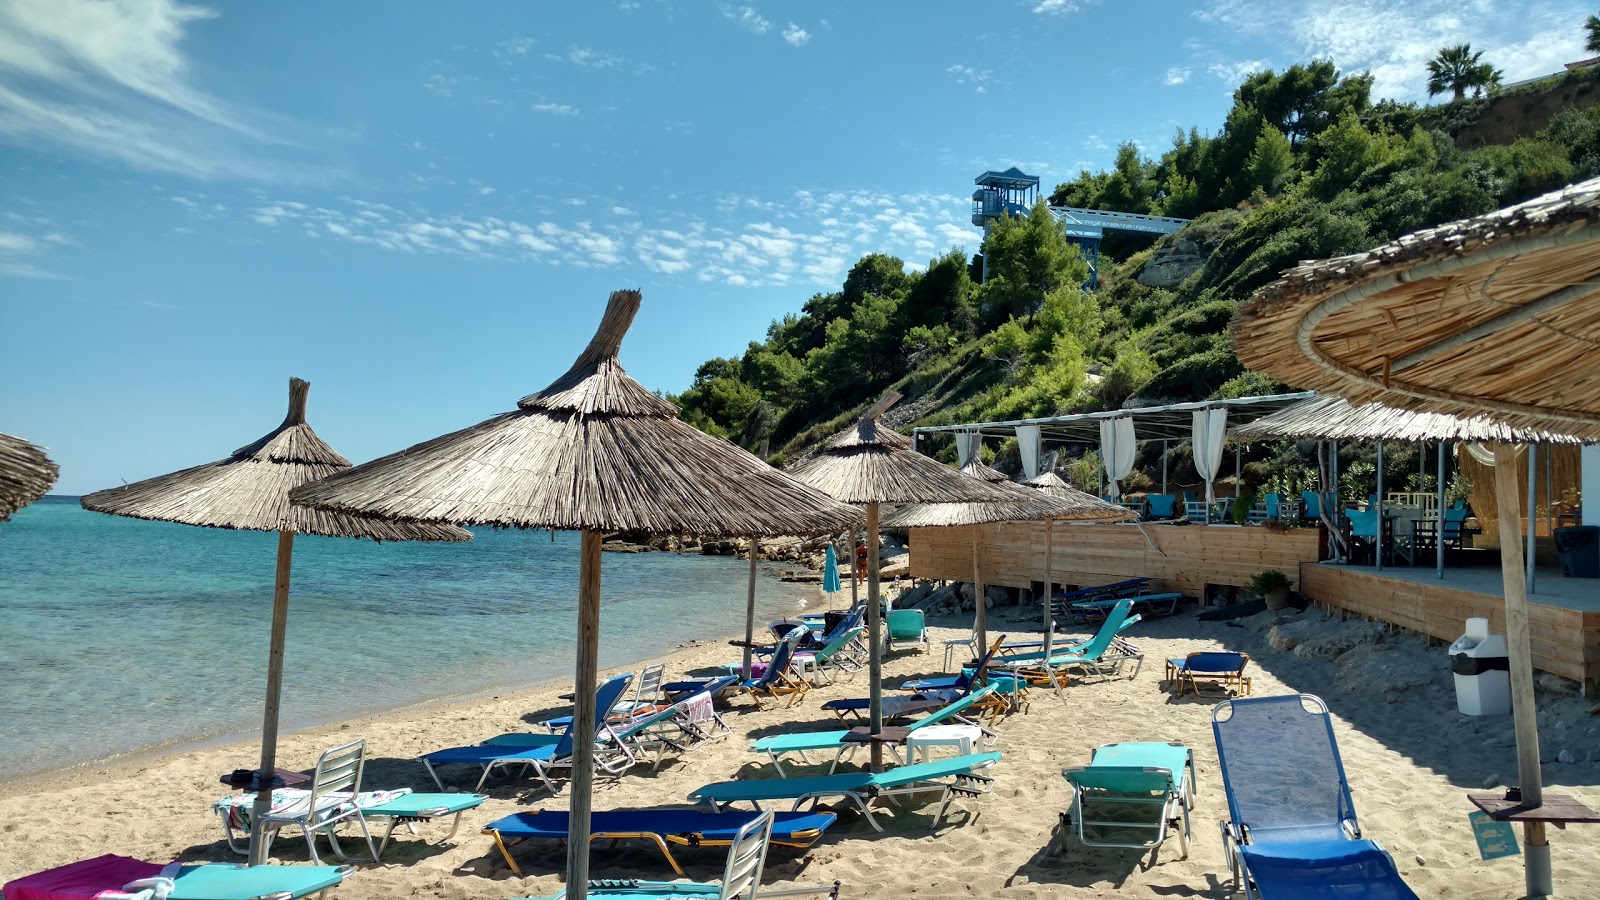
x=118 y=634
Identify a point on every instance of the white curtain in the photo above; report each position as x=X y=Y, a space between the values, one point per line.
x=1210 y=427
x=1028 y=446
x=967 y=446
x=1117 y=444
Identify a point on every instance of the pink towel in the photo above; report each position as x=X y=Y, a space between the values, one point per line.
x=83 y=880
x=697 y=710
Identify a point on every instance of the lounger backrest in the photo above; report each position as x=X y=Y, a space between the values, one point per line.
x=1098 y=644
x=838 y=644
x=648 y=688
x=338 y=771
x=953 y=709
x=746 y=858
x=1313 y=504
x=1215 y=661
x=966 y=679
x=1160 y=505
x=1281 y=768
x=781 y=657
x=605 y=697
x=1124 y=780
x=939 y=768
x=1453 y=520
x=906 y=624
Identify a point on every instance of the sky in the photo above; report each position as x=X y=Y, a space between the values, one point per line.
x=421 y=207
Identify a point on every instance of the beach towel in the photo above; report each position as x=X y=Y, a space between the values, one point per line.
x=236 y=808
x=699 y=709
x=86 y=880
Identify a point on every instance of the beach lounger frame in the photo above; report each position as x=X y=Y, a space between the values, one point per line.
x=406 y=810
x=950 y=778
x=662 y=839
x=779 y=679
x=612 y=755
x=1206 y=669
x=776 y=746
x=1131 y=783
x=1276 y=740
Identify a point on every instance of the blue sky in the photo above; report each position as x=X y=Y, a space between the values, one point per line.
x=421 y=207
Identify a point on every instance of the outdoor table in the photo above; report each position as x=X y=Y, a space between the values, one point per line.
x=250 y=779
x=962 y=737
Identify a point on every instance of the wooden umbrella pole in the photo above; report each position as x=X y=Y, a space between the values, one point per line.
x=583 y=714
x=269 y=721
x=1049 y=585
x=1438 y=524
x=875 y=631
x=980 y=621
x=750 y=608
x=1518 y=646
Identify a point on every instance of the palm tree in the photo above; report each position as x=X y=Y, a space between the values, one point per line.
x=1592 y=25
x=1457 y=69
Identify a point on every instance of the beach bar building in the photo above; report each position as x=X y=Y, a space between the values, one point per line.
x=1414 y=580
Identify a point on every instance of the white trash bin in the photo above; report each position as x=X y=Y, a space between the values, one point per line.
x=1482 y=668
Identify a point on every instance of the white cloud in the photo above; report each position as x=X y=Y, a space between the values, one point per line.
x=1175 y=75
x=110 y=80
x=556 y=109
x=978 y=78
x=1233 y=72
x=1055 y=7
x=747 y=18
x=1394 y=39
x=795 y=35
x=485 y=191
x=622 y=211
x=588 y=58
x=11 y=242
x=511 y=48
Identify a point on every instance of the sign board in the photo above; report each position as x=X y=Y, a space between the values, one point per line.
x=1495 y=839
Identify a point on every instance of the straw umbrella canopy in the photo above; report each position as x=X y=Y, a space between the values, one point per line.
x=1335 y=418
x=870 y=464
x=593 y=452
x=1493 y=315
x=26 y=474
x=977 y=469
x=1051 y=483
x=1030 y=504
x=250 y=491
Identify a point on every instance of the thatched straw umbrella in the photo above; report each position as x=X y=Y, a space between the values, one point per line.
x=1030 y=505
x=976 y=468
x=870 y=464
x=26 y=474
x=250 y=491
x=1494 y=315
x=593 y=452
x=1051 y=483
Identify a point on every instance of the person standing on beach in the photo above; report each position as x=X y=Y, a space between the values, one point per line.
x=861 y=561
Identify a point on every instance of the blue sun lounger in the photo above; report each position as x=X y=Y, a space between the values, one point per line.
x=1291 y=830
x=952 y=777
x=741 y=878
x=777 y=745
x=87 y=878
x=661 y=827
x=541 y=758
x=1122 y=780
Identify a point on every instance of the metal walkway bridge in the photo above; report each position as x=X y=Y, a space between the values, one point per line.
x=1013 y=192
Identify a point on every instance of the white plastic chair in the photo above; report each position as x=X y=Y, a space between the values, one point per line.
x=970 y=642
x=334 y=787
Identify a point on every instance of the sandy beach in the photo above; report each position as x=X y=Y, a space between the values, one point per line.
x=1410 y=756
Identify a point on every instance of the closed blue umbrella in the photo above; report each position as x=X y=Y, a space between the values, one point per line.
x=830 y=572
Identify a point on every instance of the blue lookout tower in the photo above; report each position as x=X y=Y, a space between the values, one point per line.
x=1015 y=192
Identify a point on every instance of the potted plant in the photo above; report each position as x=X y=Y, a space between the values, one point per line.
x=1272 y=586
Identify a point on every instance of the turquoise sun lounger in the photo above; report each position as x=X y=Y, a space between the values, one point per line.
x=407 y=810
x=956 y=776
x=1123 y=780
x=778 y=745
x=85 y=879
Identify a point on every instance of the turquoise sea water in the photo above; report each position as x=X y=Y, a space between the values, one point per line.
x=118 y=634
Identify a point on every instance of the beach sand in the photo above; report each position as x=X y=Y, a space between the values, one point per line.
x=1410 y=756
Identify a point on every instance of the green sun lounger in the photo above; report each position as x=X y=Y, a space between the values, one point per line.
x=1127 y=790
x=956 y=776
x=777 y=745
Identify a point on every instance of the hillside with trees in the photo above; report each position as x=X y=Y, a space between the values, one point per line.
x=1306 y=165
